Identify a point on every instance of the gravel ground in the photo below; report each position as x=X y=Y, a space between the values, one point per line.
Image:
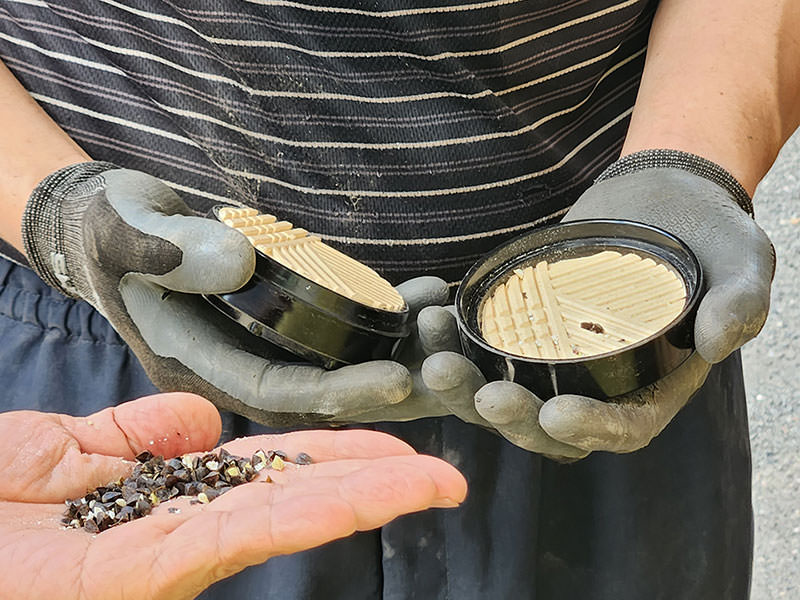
x=772 y=375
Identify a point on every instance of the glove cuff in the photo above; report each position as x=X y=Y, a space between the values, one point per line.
x=677 y=159
x=52 y=226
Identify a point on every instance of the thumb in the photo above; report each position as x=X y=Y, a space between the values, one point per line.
x=627 y=422
x=730 y=315
x=168 y=246
x=738 y=266
x=421 y=292
x=166 y=424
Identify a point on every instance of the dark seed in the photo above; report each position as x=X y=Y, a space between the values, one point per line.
x=207 y=457
x=90 y=526
x=144 y=456
x=194 y=487
x=271 y=454
x=212 y=493
x=173 y=464
x=143 y=507
x=303 y=459
x=125 y=514
x=110 y=495
x=105 y=522
x=154 y=480
x=592 y=326
x=130 y=495
x=211 y=478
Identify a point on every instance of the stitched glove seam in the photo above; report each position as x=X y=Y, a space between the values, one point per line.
x=662 y=158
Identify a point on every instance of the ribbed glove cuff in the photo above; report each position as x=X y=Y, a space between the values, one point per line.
x=52 y=226
x=677 y=159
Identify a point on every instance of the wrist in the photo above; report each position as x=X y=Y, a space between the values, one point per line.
x=52 y=226
x=660 y=158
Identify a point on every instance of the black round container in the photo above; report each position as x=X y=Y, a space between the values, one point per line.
x=601 y=376
x=310 y=320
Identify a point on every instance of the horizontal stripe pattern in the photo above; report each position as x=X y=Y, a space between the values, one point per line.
x=413 y=135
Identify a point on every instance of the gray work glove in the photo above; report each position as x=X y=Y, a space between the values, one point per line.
x=448 y=383
x=704 y=206
x=127 y=244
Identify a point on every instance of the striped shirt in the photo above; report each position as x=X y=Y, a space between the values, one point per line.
x=412 y=135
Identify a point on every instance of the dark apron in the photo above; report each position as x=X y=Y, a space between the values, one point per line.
x=672 y=521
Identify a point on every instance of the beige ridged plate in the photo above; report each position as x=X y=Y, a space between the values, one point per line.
x=581 y=306
x=309 y=256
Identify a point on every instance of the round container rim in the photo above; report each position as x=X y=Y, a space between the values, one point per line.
x=476 y=338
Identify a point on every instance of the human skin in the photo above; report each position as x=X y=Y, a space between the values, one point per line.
x=359 y=480
x=719 y=81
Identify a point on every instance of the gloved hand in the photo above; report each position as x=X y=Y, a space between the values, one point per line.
x=449 y=383
x=127 y=244
x=704 y=206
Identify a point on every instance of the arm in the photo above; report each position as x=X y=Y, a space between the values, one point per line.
x=720 y=81
x=31 y=147
x=144 y=228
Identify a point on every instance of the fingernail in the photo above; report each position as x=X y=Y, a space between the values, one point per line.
x=445 y=503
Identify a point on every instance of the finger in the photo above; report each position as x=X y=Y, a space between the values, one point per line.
x=421 y=292
x=326 y=477
x=453 y=379
x=738 y=275
x=421 y=403
x=211 y=545
x=166 y=424
x=514 y=412
x=214 y=258
x=186 y=328
x=438 y=330
x=627 y=423
x=729 y=316
x=324 y=445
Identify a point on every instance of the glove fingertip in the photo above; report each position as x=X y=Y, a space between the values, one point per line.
x=726 y=320
x=423 y=291
x=444 y=371
x=502 y=402
x=217 y=258
x=563 y=418
x=389 y=382
x=438 y=330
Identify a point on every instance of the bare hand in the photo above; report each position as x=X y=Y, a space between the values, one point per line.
x=360 y=480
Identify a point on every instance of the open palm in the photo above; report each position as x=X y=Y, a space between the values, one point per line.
x=359 y=480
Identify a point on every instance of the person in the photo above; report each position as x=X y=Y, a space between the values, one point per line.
x=359 y=480
x=414 y=137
